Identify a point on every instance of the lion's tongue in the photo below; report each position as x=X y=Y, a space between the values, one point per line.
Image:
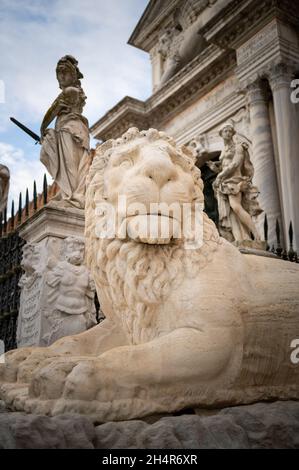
x=153 y=229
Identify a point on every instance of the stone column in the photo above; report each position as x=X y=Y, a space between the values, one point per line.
x=157 y=67
x=265 y=172
x=287 y=128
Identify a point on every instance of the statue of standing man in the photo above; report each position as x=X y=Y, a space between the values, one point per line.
x=65 y=149
x=236 y=195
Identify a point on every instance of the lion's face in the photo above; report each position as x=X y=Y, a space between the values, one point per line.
x=148 y=183
x=138 y=272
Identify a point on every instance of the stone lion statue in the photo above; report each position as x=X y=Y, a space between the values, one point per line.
x=186 y=325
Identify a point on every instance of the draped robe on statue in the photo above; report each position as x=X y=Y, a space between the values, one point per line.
x=65 y=150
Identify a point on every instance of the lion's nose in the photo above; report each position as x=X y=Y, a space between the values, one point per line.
x=160 y=172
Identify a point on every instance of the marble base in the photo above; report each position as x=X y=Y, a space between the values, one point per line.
x=56 y=220
x=45 y=284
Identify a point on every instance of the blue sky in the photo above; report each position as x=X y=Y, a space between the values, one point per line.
x=34 y=34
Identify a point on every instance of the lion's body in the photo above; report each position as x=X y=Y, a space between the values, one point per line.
x=183 y=327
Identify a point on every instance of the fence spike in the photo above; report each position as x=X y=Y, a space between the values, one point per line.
x=291 y=234
x=291 y=253
x=266 y=232
x=12 y=216
x=277 y=230
x=45 y=190
x=278 y=249
x=20 y=208
x=34 y=196
x=284 y=255
x=27 y=203
x=5 y=220
x=266 y=228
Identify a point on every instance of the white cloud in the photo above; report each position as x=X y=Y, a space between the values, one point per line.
x=23 y=172
x=34 y=34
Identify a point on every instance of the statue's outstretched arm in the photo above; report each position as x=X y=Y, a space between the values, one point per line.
x=50 y=115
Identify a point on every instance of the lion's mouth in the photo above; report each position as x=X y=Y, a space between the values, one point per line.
x=152 y=214
x=153 y=228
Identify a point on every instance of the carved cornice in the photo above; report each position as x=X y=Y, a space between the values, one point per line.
x=193 y=81
x=142 y=34
x=280 y=75
x=165 y=13
x=242 y=18
x=237 y=21
x=276 y=74
x=234 y=24
x=185 y=94
x=53 y=220
x=257 y=92
x=128 y=109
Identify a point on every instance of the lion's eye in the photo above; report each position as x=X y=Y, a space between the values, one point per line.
x=126 y=163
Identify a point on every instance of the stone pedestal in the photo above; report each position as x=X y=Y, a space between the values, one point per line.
x=57 y=293
x=53 y=220
x=262 y=158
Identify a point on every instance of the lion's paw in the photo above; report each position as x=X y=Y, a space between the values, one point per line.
x=48 y=382
x=35 y=361
x=82 y=383
x=9 y=370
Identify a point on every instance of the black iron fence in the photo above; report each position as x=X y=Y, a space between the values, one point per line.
x=11 y=245
x=10 y=271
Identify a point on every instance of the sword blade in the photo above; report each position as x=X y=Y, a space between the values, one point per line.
x=25 y=129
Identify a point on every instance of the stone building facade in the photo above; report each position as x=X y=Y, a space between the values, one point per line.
x=219 y=60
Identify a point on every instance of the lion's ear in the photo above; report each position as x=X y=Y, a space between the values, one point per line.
x=100 y=160
x=102 y=148
x=188 y=153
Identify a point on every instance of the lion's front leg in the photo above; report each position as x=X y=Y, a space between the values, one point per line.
x=21 y=364
x=129 y=381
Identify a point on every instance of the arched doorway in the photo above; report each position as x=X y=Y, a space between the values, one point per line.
x=208 y=177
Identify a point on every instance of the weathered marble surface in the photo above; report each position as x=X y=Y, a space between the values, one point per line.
x=262 y=425
x=30 y=321
x=46 y=249
x=235 y=193
x=57 y=292
x=263 y=157
x=65 y=149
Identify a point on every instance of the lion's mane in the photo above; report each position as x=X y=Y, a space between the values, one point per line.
x=137 y=277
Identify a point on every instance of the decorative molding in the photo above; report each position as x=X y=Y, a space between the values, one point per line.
x=229 y=27
x=276 y=43
x=193 y=81
x=257 y=92
x=143 y=34
x=170 y=13
x=259 y=41
x=280 y=75
x=238 y=21
x=53 y=220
